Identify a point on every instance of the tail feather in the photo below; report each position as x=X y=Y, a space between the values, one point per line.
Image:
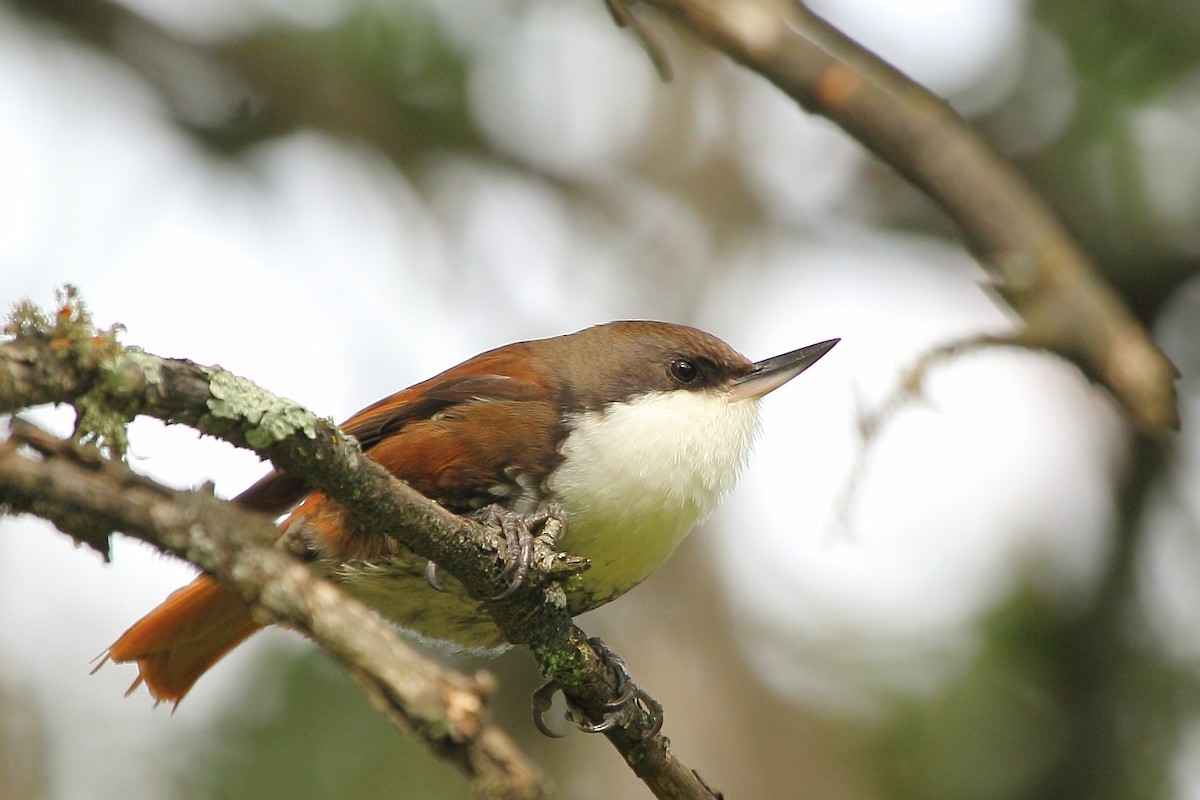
x=182 y=638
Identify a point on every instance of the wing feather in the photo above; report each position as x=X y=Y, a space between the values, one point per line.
x=489 y=377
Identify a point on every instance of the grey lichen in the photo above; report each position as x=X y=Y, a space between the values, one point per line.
x=99 y=422
x=271 y=419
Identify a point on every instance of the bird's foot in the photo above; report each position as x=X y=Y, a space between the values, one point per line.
x=520 y=541
x=617 y=712
x=523 y=548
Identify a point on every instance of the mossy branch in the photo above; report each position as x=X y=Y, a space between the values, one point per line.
x=61 y=358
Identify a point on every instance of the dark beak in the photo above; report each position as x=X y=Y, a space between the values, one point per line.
x=772 y=373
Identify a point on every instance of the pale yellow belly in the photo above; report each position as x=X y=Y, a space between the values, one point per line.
x=623 y=552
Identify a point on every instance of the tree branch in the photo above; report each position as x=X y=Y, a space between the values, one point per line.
x=1033 y=262
x=90 y=496
x=65 y=360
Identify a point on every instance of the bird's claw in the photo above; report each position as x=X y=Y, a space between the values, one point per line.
x=431 y=577
x=520 y=540
x=521 y=546
x=617 y=712
x=542 y=701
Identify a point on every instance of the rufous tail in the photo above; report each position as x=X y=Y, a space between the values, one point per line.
x=179 y=640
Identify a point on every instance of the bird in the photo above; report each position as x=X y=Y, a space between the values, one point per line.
x=631 y=430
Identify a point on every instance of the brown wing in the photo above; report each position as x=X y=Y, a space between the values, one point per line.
x=487 y=379
x=454 y=437
x=477 y=452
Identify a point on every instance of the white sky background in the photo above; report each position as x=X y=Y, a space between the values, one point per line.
x=318 y=274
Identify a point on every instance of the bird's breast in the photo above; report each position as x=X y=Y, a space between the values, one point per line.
x=636 y=476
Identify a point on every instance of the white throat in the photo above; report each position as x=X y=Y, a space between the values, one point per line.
x=637 y=476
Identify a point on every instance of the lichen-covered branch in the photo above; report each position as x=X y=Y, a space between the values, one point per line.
x=61 y=358
x=1033 y=262
x=109 y=385
x=67 y=483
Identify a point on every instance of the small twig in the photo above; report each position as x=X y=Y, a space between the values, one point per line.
x=911 y=384
x=908 y=388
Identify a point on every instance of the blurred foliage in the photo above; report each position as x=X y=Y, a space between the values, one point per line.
x=384 y=77
x=1124 y=54
x=24 y=750
x=995 y=731
x=1034 y=717
x=1057 y=703
x=381 y=74
x=385 y=74
x=305 y=730
x=1125 y=60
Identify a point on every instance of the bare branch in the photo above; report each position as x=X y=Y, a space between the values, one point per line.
x=1034 y=263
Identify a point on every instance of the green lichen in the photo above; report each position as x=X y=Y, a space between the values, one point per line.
x=104 y=413
x=568 y=667
x=75 y=342
x=271 y=419
x=26 y=320
x=99 y=423
x=149 y=366
x=69 y=330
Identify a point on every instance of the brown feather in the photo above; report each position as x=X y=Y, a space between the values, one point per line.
x=183 y=637
x=420 y=436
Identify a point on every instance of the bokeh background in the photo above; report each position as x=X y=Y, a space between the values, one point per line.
x=337 y=198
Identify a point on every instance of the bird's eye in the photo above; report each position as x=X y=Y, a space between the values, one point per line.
x=683 y=370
